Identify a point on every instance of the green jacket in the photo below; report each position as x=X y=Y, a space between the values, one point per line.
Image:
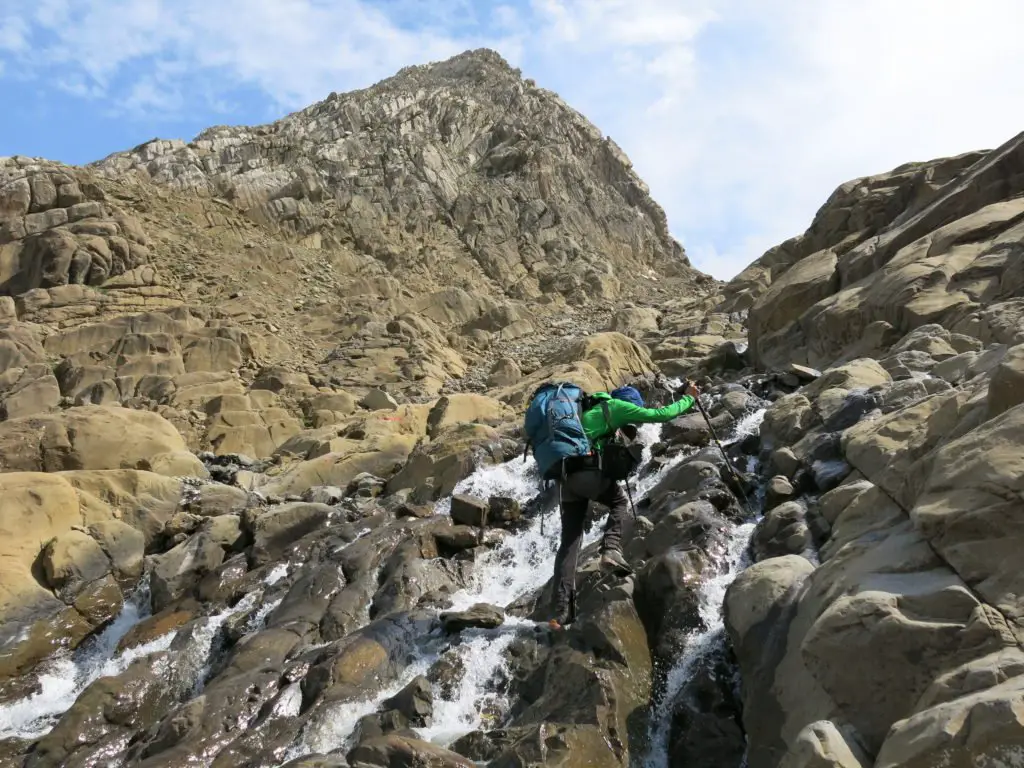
x=622 y=413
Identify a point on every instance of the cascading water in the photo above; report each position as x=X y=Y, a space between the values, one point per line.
x=63 y=679
x=516 y=568
x=700 y=644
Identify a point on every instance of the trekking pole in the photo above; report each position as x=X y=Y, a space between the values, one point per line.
x=718 y=444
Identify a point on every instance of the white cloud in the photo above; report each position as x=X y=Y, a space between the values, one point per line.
x=13 y=34
x=771 y=105
x=742 y=115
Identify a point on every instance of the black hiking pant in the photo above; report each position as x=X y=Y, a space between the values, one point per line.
x=575 y=494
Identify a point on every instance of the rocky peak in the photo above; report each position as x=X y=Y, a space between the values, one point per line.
x=459 y=166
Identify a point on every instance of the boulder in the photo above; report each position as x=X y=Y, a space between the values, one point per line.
x=759 y=602
x=451 y=410
x=787 y=420
x=886 y=449
x=616 y=357
x=1006 y=388
x=379 y=400
x=466 y=510
x=800 y=287
x=178 y=571
x=634 y=322
x=823 y=745
x=73 y=560
x=984 y=728
x=504 y=373
x=398 y=751
x=273 y=530
x=415 y=702
x=479 y=616
x=503 y=510
x=857 y=374
x=435 y=468
x=970 y=510
x=88 y=437
x=778 y=490
x=124 y=545
x=782 y=531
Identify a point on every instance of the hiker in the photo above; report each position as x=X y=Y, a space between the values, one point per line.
x=586 y=468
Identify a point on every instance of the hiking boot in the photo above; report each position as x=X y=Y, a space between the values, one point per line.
x=560 y=620
x=612 y=560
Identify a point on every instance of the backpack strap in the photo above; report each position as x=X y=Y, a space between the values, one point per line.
x=607 y=419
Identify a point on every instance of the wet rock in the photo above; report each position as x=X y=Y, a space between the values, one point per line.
x=502 y=511
x=687 y=477
x=365 y=486
x=829 y=473
x=303 y=606
x=381 y=723
x=761 y=602
x=317 y=761
x=274 y=529
x=226 y=584
x=457 y=538
x=668 y=598
x=175 y=573
x=415 y=702
x=397 y=751
x=446 y=673
x=106 y=714
x=99 y=602
x=414 y=573
x=466 y=510
x=782 y=531
x=414 y=510
x=691 y=429
x=778 y=490
x=705 y=726
x=153 y=627
x=736 y=404
x=479 y=616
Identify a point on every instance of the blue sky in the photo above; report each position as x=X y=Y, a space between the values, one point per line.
x=742 y=115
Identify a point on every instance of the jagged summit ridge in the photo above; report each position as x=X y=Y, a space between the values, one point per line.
x=507 y=183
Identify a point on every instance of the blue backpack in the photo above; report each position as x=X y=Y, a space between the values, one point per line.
x=553 y=428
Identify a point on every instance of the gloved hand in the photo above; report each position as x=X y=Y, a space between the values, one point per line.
x=689 y=388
